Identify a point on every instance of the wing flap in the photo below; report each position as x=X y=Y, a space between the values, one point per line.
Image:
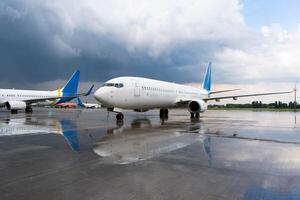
x=222 y=91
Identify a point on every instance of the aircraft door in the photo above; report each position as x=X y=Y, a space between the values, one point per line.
x=136 y=89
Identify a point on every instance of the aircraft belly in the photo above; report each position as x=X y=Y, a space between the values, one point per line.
x=146 y=102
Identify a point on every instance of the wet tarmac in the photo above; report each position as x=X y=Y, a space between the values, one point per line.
x=85 y=154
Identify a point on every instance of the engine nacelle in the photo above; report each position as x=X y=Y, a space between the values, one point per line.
x=15 y=105
x=197 y=106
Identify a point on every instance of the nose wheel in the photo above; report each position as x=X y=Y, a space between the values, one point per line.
x=28 y=110
x=120 y=116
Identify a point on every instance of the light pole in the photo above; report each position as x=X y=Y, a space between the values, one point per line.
x=295 y=97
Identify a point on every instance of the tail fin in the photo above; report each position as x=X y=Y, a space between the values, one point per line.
x=72 y=85
x=79 y=103
x=207 y=78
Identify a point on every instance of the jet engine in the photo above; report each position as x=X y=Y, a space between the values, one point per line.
x=197 y=106
x=15 y=105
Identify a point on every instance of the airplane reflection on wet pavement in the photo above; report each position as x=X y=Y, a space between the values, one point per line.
x=256 y=155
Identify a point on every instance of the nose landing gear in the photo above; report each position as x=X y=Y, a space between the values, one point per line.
x=28 y=110
x=119 y=116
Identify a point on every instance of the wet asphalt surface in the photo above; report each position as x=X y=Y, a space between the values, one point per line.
x=86 y=154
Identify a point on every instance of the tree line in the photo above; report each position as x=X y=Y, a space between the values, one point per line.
x=259 y=104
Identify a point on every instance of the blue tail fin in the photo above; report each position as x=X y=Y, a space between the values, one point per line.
x=72 y=85
x=207 y=78
x=79 y=102
x=70 y=135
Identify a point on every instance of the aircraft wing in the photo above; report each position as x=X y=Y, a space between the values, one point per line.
x=36 y=100
x=234 y=97
x=30 y=101
x=222 y=91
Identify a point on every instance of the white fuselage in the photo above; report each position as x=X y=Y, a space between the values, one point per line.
x=143 y=94
x=91 y=105
x=24 y=95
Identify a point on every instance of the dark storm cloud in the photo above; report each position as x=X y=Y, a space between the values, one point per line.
x=39 y=44
x=35 y=46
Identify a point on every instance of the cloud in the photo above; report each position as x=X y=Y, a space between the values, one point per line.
x=270 y=55
x=46 y=40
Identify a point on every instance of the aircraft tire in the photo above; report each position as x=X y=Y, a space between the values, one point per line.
x=192 y=115
x=28 y=110
x=13 y=111
x=120 y=116
x=163 y=113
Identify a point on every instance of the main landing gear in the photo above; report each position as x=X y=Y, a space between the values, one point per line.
x=28 y=110
x=13 y=111
x=163 y=113
x=195 y=115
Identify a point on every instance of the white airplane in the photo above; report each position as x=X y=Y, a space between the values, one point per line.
x=15 y=100
x=142 y=94
x=87 y=105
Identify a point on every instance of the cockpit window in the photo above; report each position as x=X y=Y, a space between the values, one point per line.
x=117 y=85
x=109 y=84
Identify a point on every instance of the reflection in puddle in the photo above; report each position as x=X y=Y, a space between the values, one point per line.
x=134 y=145
x=35 y=126
x=244 y=155
x=257 y=192
x=222 y=144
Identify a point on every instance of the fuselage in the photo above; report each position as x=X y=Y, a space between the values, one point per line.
x=23 y=95
x=141 y=94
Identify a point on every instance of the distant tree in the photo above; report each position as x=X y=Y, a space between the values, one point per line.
x=291 y=105
x=260 y=104
x=279 y=104
x=276 y=104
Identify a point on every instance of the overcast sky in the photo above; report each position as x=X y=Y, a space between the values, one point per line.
x=253 y=44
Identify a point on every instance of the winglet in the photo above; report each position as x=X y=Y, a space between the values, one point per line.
x=207 y=78
x=90 y=91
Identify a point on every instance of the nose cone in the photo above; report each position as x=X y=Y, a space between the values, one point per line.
x=98 y=95
x=102 y=95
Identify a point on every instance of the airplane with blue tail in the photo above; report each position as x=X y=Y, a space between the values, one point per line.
x=15 y=100
x=87 y=105
x=142 y=94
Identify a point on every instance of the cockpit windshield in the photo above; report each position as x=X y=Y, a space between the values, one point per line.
x=117 y=85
